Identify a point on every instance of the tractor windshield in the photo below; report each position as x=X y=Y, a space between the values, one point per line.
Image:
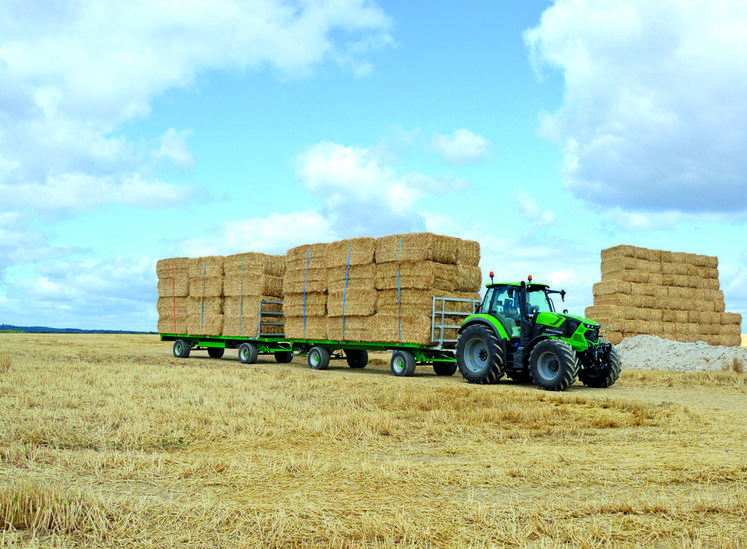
x=505 y=300
x=537 y=301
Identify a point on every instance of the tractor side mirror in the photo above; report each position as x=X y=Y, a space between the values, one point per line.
x=562 y=295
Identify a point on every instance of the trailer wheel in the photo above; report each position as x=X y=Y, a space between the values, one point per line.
x=444 y=368
x=283 y=357
x=403 y=363
x=248 y=353
x=357 y=358
x=181 y=348
x=553 y=365
x=318 y=358
x=215 y=352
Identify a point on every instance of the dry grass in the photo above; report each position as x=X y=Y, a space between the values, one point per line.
x=5 y=362
x=110 y=441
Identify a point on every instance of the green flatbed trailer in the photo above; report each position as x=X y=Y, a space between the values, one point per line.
x=319 y=352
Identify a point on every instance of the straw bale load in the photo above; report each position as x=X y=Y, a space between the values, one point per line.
x=376 y=290
x=216 y=295
x=667 y=294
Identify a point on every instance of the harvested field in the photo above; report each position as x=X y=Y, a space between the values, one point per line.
x=108 y=440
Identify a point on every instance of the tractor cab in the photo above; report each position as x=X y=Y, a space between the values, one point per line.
x=508 y=303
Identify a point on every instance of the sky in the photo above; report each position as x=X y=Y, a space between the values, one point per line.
x=545 y=130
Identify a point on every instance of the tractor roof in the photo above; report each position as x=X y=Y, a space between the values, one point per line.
x=530 y=285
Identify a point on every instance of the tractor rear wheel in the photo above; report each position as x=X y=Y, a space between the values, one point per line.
x=479 y=355
x=604 y=377
x=553 y=365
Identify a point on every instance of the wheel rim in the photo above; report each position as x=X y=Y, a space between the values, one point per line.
x=243 y=354
x=476 y=355
x=398 y=364
x=314 y=359
x=548 y=365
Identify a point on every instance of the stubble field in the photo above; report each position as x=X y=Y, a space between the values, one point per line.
x=107 y=440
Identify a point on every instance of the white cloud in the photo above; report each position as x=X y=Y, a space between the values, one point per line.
x=361 y=194
x=653 y=113
x=531 y=211
x=461 y=146
x=73 y=72
x=174 y=149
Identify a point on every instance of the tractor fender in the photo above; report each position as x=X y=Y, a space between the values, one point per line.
x=489 y=321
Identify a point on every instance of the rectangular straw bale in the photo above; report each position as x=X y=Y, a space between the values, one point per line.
x=417 y=247
x=468 y=278
x=457 y=302
x=309 y=304
x=205 y=306
x=619 y=263
x=211 y=325
x=177 y=286
x=468 y=253
x=254 y=263
x=598 y=312
x=731 y=319
x=613 y=336
x=410 y=301
x=311 y=327
x=200 y=267
x=679 y=258
x=667 y=268
x=308 y=256
x=352 y=251
x=171 y=305
x=711 y=272
x=243 y=306
x=611 y=287
x=355 y=276
x=300 y=281
x=623 y=250
x=421 y=275
x=665 y=256
x=236 y=285
x=168 y=266
x=668 y=329
x=351 y=302
x=209 y=286
x=245 y=326
x=169 y=324
x=350 y=328
x=620 y=300
x=408 y=328
x=697 y=260
x=643 y=301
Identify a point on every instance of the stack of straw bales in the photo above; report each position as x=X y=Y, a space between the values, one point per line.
x=667 y=294
x=377 y=290
x=173 y=294
x=216 y=295
x=249 y=278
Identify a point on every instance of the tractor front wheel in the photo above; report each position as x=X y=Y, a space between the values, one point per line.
x=553 y=365
x=479 y=355
x=603 y=377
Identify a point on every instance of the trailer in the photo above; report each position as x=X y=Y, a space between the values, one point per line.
x=405 y=357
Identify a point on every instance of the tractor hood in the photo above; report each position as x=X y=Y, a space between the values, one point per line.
x=581 y=331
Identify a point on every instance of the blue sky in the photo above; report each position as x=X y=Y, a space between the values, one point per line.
x=545 y=130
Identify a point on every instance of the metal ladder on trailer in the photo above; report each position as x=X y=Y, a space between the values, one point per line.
x=442 y=318
x=267 y=319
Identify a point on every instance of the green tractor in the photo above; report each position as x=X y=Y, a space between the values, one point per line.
x=517 y=332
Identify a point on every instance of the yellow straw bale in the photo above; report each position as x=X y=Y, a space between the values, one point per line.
x=422 y=275
x=353 y=251
x=351 y=302
x=417 y=247
x=200 y=267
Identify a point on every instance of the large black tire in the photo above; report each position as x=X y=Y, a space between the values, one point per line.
x=283 y=357
x=216 y=352
x=181 y=348
x=444 y=368
x=479 y=355
x=357 y=358
x=553 y=365
x=248 y=353
x=318 y=358
x=601 y=378
x=403 y=363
